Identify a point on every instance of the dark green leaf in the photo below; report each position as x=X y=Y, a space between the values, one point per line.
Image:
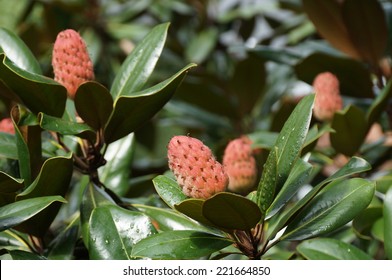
x=12 y=240
x=263 y=139
x=327 y=17
x=367 y=28
x=24 y=255
x=131 y=112
x=193 y=208
x=379 y=104
x=363 y=223
x=17 y=51
x=330 y=249
x=296 y=179
x=65 y=127
x=350 y=128
x=94 y=104
x=9 y=184
x=139 y=65
x=353 y=76
x=53 y=179
x=388 y=223
x=115 y=230
x=116 y=172
x=179 y=244
x=8 y=146
x=63 y=246
x=332 y=208
x=168 y=190
x=37 y=93
x=231 y=212
x=286 y=151
x=16 y=213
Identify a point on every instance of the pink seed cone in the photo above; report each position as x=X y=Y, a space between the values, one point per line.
x=70 y=60
x=240 y=165
x=7 y=126
x=195 y=168
x=328 y=99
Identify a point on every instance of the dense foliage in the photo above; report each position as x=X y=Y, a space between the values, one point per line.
x=86 y=176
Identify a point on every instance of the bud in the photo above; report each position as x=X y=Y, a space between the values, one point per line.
x=7 y=126
x=328 y=99
x=195 y=168
x=240 y=165
x=70 y=60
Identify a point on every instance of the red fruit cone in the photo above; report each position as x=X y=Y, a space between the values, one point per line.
x=70 y=60
x=240 y=165
x=195 y=168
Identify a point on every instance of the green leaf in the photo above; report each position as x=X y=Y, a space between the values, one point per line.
x=354 y=166
x=200 y=46
x=330 y=249
x=17 y=51
x=53 y=179
x=367 y=28
x=93 y=197
x=286 y=151
x=179 y=244
x=139 y=65
x=9 y=184
x=168 y=190
x=379 y=104
x=350 y=128
x=231 y=212
x=63 y=246
x=353 y=76
x=332 y=208
x=94 y=104
x=327 y=17
x=38 y=93
x=24 y=255
x=20 y=211
x=388 y=224
x=122 y=229
x=168 y=220
x=363 y=223
x=193 y=208
x=65 y=127
x=296 y=179
x=8 y=146
x=116 y=172
x=131 y=112
x=263 y=139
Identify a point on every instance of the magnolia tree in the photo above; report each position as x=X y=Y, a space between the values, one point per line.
x=307 y=191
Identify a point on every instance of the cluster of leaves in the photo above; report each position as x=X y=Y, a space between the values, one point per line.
x=66 y=188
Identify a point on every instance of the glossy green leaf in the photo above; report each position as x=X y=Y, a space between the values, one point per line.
x=168 y=190
x=139 y=65
x=201 y=45
x=13 y=240
x=388 y=223
x=193 y=208
x=326 y=15
x=24 y=255
x=20 y=211
x=43 y=94
x=350 y=128
x=354 y=166
x=296 y=179
x=8 y=146
x=353 y=76
x=53 y=179
x=363 y=223
x=378 y=230
x=263 y=139
x=330 y=249
x=116 y=172
x=286 y=151
x=17 y=51
x=332 y=208
x=121 y=231
x=63 y=246
x=367 y=28
x=9 y=184
x=313 y=135
x=65 y=127
x=231 y=212
x=94 y=104
x=179 y=244
x=131 y=112
x=379 y=104
x=168 y=220
x=93 y=197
